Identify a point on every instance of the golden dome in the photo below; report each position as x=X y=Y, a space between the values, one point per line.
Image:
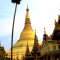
x=26 y=35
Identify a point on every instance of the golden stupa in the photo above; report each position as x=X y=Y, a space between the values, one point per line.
x=26 y=35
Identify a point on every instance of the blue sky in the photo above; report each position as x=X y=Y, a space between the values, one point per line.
x=42 y=13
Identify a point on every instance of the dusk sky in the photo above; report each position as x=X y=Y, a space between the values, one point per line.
x=43 y=13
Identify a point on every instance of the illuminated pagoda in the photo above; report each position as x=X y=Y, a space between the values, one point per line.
x=26 y=35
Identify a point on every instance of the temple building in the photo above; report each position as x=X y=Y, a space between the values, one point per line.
x=27 y=34
x=51 y=44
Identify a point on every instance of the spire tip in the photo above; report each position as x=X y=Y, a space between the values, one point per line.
x=44 y=31
x=27 y=8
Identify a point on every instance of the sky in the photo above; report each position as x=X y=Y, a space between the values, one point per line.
x=43 y=13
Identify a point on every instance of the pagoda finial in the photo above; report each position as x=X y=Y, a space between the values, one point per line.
x=45 y=35
x=27 y=12
x=27 y=9
x=44 y=31
x=55 y=21
x=35 y=31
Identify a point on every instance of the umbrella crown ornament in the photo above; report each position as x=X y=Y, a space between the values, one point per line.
x=16 y=1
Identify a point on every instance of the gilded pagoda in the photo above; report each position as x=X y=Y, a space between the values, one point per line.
x=27 y=34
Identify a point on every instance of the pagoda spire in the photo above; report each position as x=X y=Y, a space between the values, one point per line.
x=27 y=20
x=55 y=21
x=27 y=53
x=27 y=9
x=35 y=40
x=45 y=35
x=44 y=31
x=27 y=12
x=56 y=31
x=35 y=46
